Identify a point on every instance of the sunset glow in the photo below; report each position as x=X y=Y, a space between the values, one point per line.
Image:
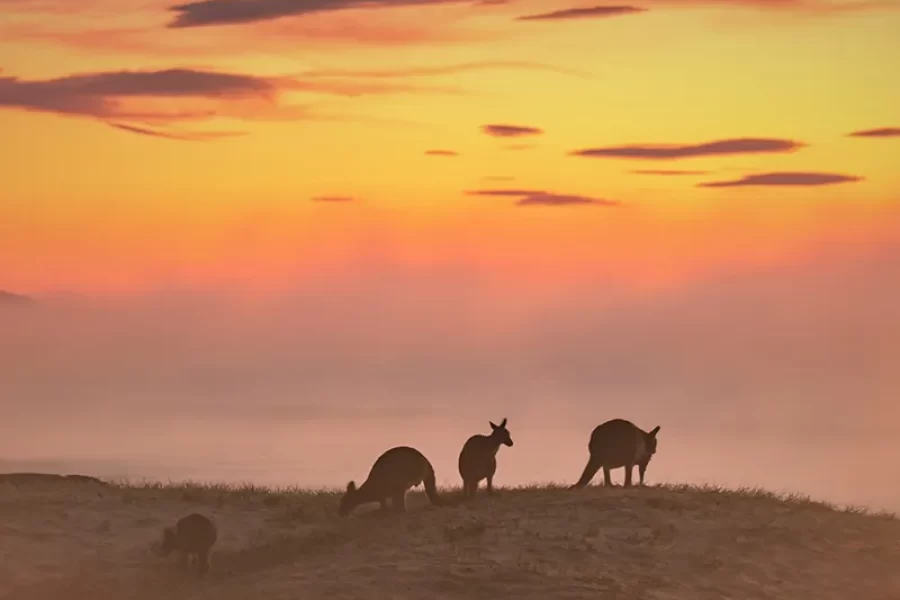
x=147 y=144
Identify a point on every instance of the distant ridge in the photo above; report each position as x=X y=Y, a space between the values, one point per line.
x=10 y=299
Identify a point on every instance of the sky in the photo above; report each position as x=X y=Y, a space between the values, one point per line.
x=250 y=143
x=279 y=209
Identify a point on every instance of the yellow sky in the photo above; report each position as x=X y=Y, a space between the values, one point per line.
x=85 y=205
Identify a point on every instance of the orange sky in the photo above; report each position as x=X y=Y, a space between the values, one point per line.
x=145 y=146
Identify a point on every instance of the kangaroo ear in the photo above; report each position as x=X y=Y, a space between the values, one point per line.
x=351 y=487
x=503 y=422
x=492 y=425
x=654 y=431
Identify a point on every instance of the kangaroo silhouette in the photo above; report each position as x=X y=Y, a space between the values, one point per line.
x=393 y=474
x=618 y=443
x=478 y=458
x=192 y=536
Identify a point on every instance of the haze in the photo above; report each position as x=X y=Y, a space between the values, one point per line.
x=267 y=244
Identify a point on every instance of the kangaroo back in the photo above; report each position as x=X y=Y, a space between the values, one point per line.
x=618 y=443
x=393 y=473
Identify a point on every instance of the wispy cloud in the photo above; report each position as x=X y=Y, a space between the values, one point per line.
x=57 y=7
x=320 y=31
x=441 y=70
x=543 y=198
x=505 y=192
x=441 y=153
x=189 y=136
x=549 y=199
x=787 y=178
x=230 y=12
x=171 y=95
x=668 y=172
x=678 y=151
x=333 y=199
x=881 y=132
x=501 y=130
x=591 y=12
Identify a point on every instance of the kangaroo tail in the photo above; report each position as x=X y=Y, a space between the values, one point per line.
x=590 y=470
x=431 y=488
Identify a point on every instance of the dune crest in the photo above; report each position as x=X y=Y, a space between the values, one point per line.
x=543 y=542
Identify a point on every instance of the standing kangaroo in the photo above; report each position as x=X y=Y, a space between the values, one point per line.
x=618 y=443
x=395 y=472
x=478 y=458
x=192 y=536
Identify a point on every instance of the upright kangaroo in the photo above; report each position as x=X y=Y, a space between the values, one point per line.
x=395 y=472
x=618 y=443
x=478 y=458
x=192 y=536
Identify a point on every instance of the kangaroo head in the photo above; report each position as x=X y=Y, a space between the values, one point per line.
x=348 y=500
x=651 y=440
x=169 y=541
x=501 y=433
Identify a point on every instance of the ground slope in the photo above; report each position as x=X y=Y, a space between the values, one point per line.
x=80 y=539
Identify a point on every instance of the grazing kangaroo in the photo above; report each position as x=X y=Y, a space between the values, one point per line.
x=192 y=536
x=618 y=443
x=478 y=458
x=394 y=472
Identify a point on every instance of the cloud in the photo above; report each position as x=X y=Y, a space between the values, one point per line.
x=441 y=153
x=182 y=95
x=542 y=198
x=320 y=31
x=667 y=172
x=88 y=90
x=333 y=199
x=513 y=192
x=784 y=179
x=499 y=130
x=230 y=12
x=439 y=70
x=547 y=199
x=882 y=132
x=675 y=151
x=56 y=7
x=592 y=12
x=192 y=136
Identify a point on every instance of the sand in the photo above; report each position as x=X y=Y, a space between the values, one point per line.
x=85 y=540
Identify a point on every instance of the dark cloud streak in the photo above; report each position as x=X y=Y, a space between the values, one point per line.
x=678 y=151
x=188 y=136
x=667 y=172
x=158 y=97
x=232 y=12
x=592 y=12
x=543 y=198
x=549 y=199
x=502 y=192
x=503 y=130
x=787 y=178
x=881 y=132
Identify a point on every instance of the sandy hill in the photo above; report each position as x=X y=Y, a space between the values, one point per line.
x=77 y=539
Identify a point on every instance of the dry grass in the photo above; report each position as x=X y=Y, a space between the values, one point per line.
x=79 y=540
